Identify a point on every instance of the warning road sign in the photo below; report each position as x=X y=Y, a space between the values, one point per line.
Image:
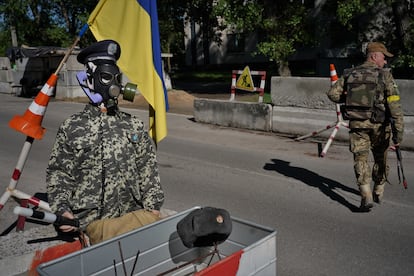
x=245 y=81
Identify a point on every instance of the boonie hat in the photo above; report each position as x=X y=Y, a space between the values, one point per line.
x=105 y=50
x=378 y=47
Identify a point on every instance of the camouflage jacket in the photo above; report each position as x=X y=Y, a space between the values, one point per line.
x=102 y=166
x=391 y=100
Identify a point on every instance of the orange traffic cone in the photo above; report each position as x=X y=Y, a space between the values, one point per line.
x=30 y=122
x=334 y=76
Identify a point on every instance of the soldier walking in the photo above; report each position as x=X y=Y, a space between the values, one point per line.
x=371 y=100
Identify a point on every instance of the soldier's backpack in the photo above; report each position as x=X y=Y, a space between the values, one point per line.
x=365 y=98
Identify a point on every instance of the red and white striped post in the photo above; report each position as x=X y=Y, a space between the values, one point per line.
x=336 y=125
x=340 y=121
x=30 y=125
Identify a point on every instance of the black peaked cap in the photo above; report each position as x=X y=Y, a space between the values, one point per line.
x=105 y=50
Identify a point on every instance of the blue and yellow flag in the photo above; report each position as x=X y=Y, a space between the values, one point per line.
x=134 y=25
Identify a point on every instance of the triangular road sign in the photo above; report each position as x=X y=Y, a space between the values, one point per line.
x=245 y=81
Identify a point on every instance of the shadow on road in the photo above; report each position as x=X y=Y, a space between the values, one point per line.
x=325 y=185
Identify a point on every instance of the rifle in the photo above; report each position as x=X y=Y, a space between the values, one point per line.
x=400 y=168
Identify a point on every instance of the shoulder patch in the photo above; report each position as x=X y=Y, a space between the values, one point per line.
x=134 y=137
x=393 y=98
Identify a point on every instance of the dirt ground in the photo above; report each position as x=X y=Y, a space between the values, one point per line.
x=180 y=101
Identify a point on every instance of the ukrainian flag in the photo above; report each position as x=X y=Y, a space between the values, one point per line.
x=134 y=25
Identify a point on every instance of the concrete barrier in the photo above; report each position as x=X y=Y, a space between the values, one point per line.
x=255 y=116
x=311 y=93
x=299 y=107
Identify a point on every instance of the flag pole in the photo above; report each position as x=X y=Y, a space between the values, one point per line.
x=67 y=54
x=152 y=125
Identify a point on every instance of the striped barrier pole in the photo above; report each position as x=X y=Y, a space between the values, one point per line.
x=340 y=120
x=340 y=123
x=233 y=85
x=30 y=123
x=260 y=89
x=31 y=200
x=45 y=216
x=336 y=125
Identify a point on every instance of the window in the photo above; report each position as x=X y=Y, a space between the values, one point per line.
x=235 y=43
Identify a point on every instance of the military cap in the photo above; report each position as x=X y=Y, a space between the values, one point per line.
x=378 y=47
x=105 y=50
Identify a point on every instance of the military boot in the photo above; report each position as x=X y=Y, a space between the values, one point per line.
x=366 y=198
x=378 y=193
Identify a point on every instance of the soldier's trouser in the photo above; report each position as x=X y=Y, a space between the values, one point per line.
x=362 y=141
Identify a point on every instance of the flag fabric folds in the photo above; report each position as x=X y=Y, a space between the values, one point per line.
x=134 y=25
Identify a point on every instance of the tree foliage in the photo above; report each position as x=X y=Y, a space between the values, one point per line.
x=282 y=26
x=43 y=22
x=286 y=30
x=388 y=21
x=171 y=16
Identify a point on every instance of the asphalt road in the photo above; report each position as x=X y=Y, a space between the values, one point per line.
x=261 y=177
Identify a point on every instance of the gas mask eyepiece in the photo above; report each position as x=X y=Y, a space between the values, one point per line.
x=128 y=91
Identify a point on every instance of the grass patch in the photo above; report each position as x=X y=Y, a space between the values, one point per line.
x=254 y=97
x=203 y=76
x=221 y=75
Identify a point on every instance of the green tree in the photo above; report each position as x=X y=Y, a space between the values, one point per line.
x=201 y=12
x=171 y=26
x=388 y=21
x=283 y=26
x=43 y=22
x=286 y=28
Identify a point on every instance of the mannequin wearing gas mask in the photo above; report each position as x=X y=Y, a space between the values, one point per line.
x=105 y=79
x=103 y=163
x=102 y=80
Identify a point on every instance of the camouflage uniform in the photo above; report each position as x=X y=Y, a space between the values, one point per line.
x=103 y=166
x=366 y=135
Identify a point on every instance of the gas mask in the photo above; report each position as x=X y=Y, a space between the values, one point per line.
x=102 y=84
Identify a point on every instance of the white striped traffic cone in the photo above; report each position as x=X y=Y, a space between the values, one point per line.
x=334 y=76
x=30 y=122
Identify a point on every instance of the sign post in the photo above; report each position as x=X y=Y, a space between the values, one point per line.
x=245 y=82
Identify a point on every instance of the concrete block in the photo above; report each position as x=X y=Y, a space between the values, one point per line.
x=299 y=121
x=311 y=93
x=407 y=98
x=255 y=116
x=73 y=64
x=6 y=75
x=4 y=63
x=408 y=138
x=301 y=92
x=68 y=78
x=5 y=88
x=65 y=92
